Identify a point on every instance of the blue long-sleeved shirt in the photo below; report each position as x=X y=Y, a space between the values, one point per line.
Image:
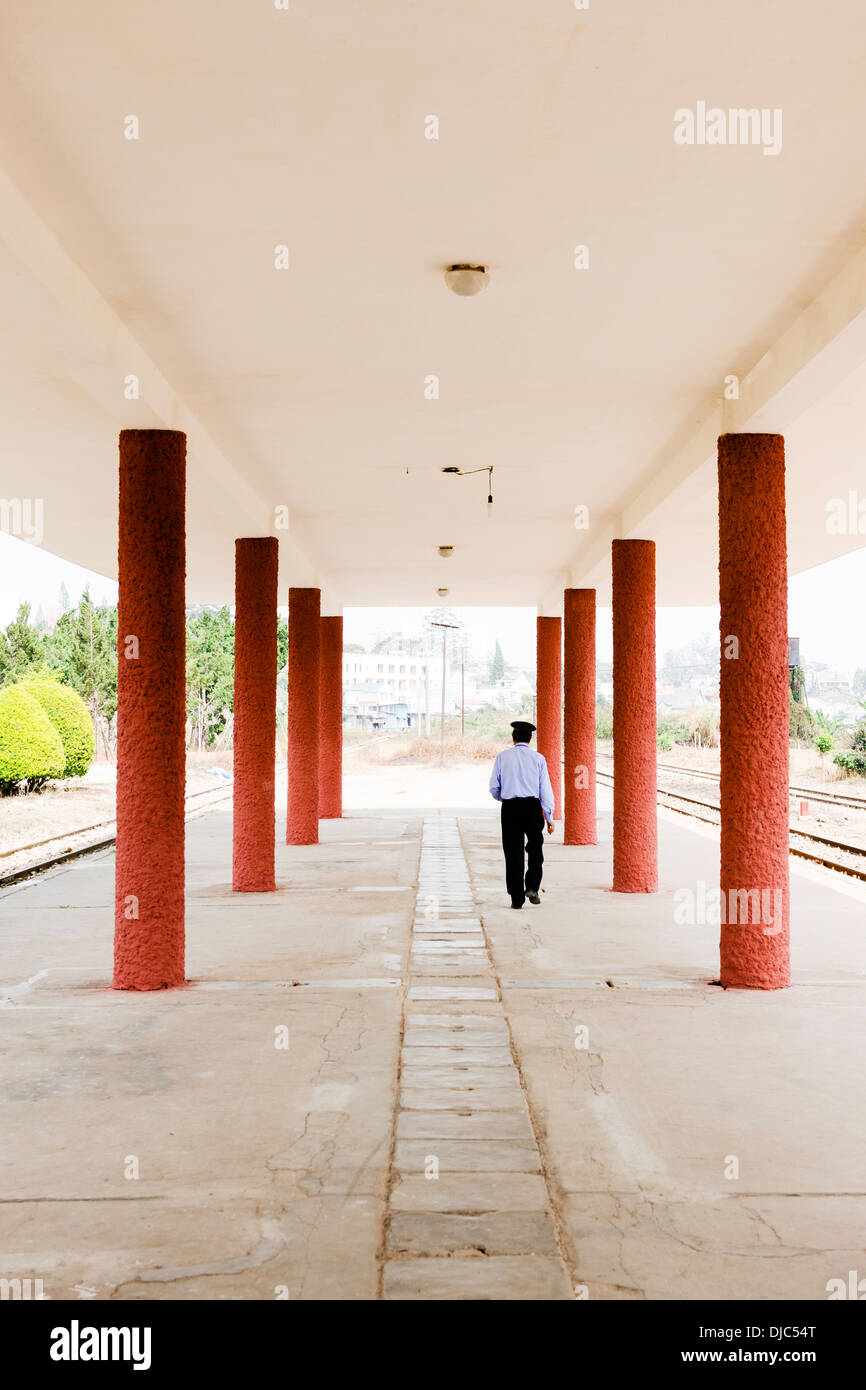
x=520 y=771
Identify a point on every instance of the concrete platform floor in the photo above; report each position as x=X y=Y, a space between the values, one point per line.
x=605 y=1121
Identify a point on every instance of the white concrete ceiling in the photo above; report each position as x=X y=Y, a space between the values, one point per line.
x=305 y=387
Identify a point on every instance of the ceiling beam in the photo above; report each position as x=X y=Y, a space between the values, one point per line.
x=823 y=344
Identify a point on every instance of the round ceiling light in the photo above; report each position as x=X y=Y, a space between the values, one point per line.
x=446 y=551
x=466 y=279
x=442 y=592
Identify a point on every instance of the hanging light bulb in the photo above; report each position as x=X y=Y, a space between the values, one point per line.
x=465 y=473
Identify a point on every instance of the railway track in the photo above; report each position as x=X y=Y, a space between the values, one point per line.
x=191 y=812
x=217 y=794
x=855 y=866
x=847 y=799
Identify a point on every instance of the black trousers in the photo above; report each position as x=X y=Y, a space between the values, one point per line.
x=522 y=833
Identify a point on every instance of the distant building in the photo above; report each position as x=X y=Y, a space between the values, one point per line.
x=371 y=706
x=829 y=682
x=507 y=693
x=396 y=716
x=697 y=694
x=837 y=704
x=383 y=690
x=394 y=669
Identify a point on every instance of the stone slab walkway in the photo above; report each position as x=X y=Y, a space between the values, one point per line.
x=604 y=1120
x=466 y=1174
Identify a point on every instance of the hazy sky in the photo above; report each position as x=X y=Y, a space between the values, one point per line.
x=826 y=610
x=515 y=628
x=826 y=605
x=28 y=572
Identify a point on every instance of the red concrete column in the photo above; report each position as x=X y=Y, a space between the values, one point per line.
x=255 y=714
x=331 y=718
x=151 y=711
x=753 y=600
x=548 y=701
x=635 y=835
x=579 y=730
x=302 y=820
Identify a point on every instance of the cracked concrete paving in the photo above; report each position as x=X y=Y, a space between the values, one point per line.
x=678 y=1083
x=261 y=1168
x=266 y=1171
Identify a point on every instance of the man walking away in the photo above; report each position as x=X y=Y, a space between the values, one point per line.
x=521 y=782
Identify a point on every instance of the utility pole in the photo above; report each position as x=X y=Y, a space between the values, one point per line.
x=427 y=694
x=463 y=692
x=454 y=628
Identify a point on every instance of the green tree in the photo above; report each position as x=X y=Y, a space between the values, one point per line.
x=829 y=723
x=82 y=652
x=801 y=723
x=797 y=682
x=527 y=707
x=432 y=644
x=282 y=643
x=603 y=721
x=497 y=665
x=22 y=648
x=397 y=642
x=699 y=657
x=210 y=662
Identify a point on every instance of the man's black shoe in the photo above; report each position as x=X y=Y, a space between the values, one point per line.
x=516 y=904
x=534 y=899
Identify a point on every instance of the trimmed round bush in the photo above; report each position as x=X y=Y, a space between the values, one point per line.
x=70 y=717
x=31 y=750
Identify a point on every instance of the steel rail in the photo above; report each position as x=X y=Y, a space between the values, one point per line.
x=793 y=849
x=92 y=846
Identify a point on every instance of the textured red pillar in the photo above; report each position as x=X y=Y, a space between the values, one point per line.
x=302 y=820
x=331 y=718
x=255 y=714
x=548 y=702
x=753 y=600
x=635 y=834
x=151 y=711
x=579 y=730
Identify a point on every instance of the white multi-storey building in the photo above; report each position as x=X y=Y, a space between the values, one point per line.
x=400 y=673
x=385 y=690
